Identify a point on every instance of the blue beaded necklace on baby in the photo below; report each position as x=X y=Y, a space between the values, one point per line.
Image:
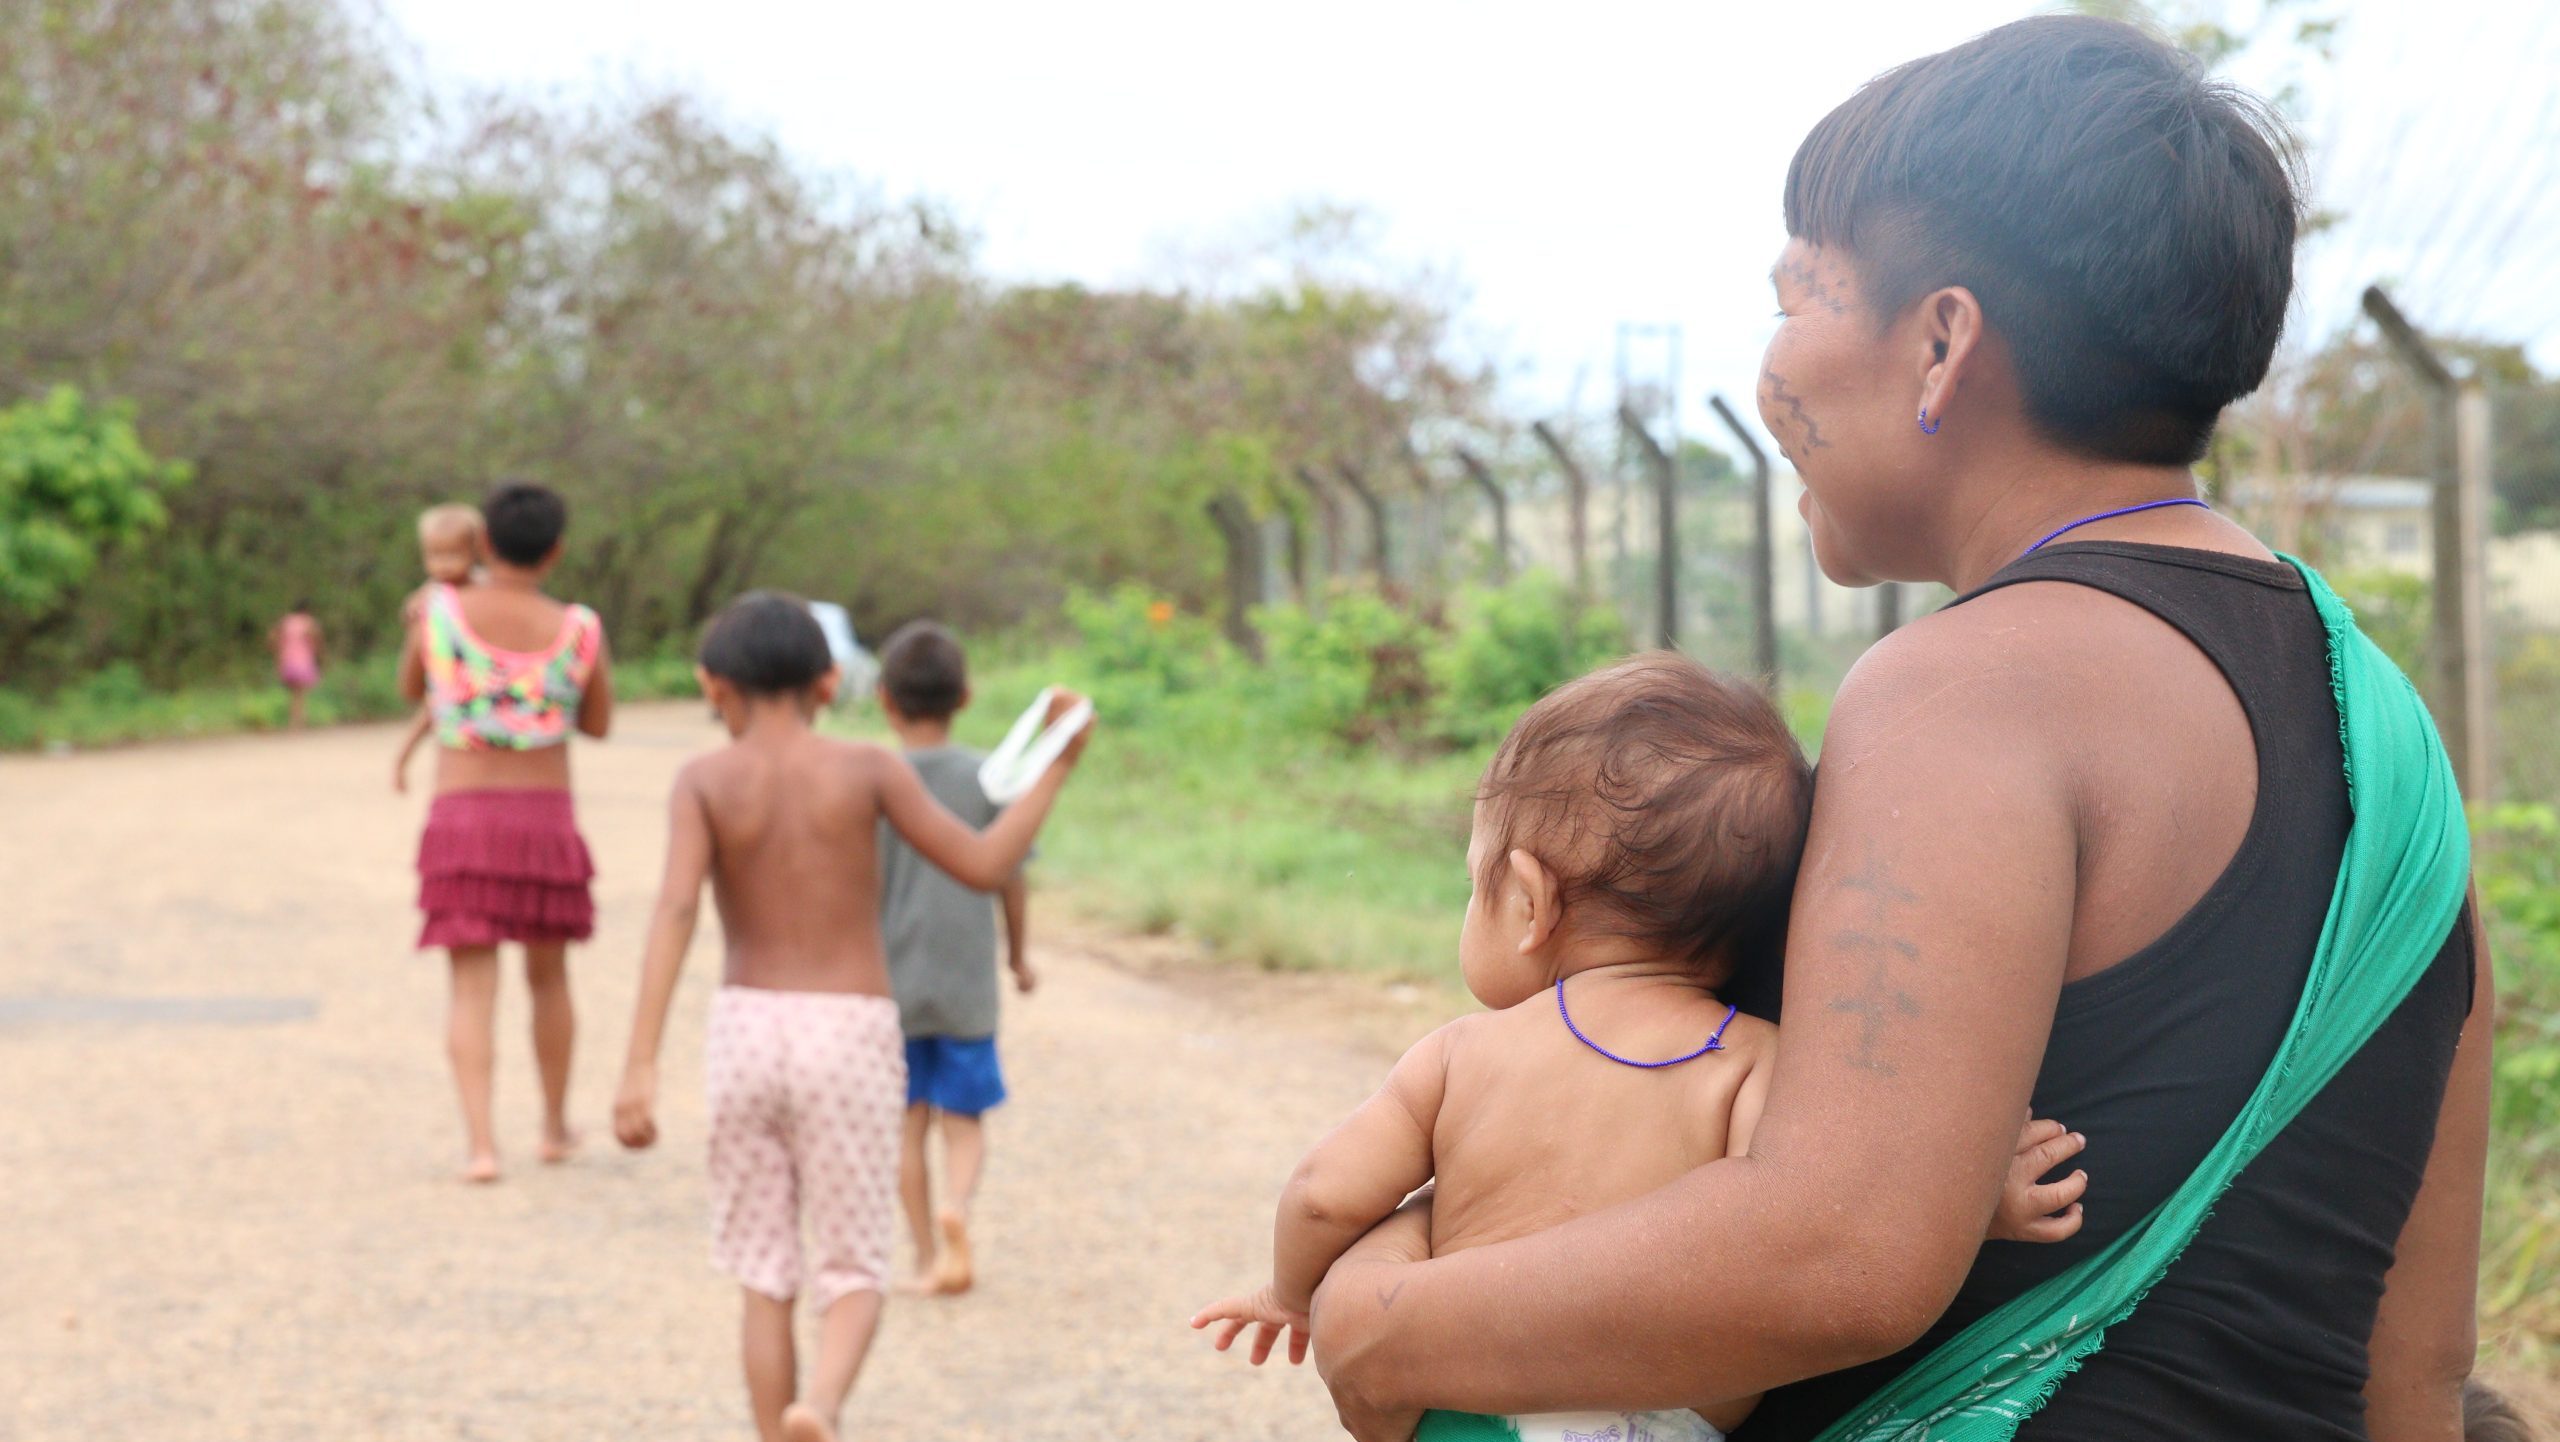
x=1714 y=1043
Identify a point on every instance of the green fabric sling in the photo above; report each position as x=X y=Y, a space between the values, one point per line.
x=2401 y=883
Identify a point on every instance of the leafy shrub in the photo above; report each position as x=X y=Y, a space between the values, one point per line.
x=1355 y=673
x=1134 y=649
x=74 y=479
x=1511 y=645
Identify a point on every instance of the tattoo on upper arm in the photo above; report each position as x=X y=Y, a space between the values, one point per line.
x=1387 y=1297
x=1875 y=941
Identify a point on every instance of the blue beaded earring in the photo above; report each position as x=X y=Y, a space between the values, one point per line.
x=1929 y=427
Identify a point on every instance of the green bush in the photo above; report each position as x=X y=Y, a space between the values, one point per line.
x=1510 y=645
x=1354 y=673
x=75 y=478
x=1134 y=649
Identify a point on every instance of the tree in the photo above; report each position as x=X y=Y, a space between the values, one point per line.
x=75 y=478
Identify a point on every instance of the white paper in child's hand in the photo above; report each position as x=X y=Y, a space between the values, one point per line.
x=1027 y=750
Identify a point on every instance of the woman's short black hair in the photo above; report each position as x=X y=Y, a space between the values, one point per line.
x=524 y=521
x=2126 y=221
x=766 y=643
x=925 y=672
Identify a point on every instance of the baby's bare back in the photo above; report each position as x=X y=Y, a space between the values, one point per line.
x=1535 y=1128
x=795 y=864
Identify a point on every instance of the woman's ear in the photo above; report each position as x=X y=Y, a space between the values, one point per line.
x=1951 y=336
x=1539 y=895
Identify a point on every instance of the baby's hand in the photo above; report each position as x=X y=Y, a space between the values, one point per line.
x=1259 y=1310
x=2033 y=1212
x=635 y=1124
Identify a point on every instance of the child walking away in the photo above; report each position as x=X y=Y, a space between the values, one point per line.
x=804 y=1059
x=941 y=940
x=449 y=540
x=508 y=673
x=1636 y=836
x=295 y=640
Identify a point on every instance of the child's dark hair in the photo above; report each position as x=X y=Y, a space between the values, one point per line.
x=2489 y=1417
x=766 y=643
x=524 y=521
x=1669 y=800
x=2126 y=220
x=925 y=672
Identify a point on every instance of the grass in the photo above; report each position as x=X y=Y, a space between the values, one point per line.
x=1280 y=853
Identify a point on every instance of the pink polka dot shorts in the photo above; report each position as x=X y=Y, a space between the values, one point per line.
x=807 y=1089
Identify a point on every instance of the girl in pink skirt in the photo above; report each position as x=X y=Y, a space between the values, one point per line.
x=296 y=643
x=507 y=673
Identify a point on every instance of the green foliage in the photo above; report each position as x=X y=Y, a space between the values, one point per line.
x=1354 y=673
x=341 y=307
x=75 y=478
x=2516 y=861
x=2392 y=607
x=1136 y=650
x=1511 y=645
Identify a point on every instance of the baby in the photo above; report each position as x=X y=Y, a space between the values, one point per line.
x=449 y=550
x=1636 y=836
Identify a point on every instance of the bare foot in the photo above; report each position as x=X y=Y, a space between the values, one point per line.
x=925 y=1281
x=801 y=1424
x=559 y=1146
x=481 y=1170
x=953 y=1273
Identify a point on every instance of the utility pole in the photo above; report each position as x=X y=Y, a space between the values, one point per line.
x=2458 y=422
x=1666 y=565
x=1577 y=507
x=1482 y=475
x=1764 y=549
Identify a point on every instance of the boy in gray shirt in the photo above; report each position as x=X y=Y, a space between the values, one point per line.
x=941 y=940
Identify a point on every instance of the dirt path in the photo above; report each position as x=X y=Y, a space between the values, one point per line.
x=226 y=1131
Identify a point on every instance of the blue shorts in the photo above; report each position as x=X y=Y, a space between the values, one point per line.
x=954 y=1074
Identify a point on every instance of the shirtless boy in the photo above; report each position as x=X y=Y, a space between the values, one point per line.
x=805 y=1060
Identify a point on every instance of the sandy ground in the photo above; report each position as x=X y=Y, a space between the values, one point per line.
x=227 y=1132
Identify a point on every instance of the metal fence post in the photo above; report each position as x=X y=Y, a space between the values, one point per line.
x=1764 y=556
x=1482 y=475
x=1666 y=578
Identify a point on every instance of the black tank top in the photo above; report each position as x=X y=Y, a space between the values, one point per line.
x=2260 y=1329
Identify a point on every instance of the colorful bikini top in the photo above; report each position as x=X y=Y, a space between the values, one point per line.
x=487 y=698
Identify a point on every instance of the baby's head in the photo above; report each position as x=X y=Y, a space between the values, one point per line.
x=1653 y=810
x=449 y=542
x=765 y=646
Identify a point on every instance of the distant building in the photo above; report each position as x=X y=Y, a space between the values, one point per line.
x=2388 y=522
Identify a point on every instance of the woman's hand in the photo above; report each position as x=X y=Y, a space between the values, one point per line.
x=1351 y=1314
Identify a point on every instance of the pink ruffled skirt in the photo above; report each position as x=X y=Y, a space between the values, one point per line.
x=499 y=866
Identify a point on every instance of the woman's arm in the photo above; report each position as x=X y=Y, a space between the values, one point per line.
x=595 y=704
x=1931 y=926
x=979 y=860
x=670 y=937
x=2427 y=1332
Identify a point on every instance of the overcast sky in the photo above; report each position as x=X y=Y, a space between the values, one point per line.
x=1575 y=166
